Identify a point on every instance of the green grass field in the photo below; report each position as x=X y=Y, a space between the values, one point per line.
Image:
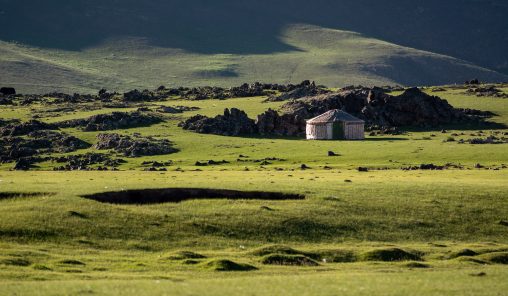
x=54 y=242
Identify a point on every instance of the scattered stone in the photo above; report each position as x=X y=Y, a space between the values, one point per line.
x=331 y=153
x=363 y=169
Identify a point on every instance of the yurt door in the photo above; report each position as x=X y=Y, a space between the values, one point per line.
x=338 y=130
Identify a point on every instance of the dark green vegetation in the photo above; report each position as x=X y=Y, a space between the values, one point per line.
x=85 y=45
x=425 y=215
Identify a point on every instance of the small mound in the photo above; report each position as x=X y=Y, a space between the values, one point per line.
x=190 y=262
x=416 y=265
x=41 y=267
x=71 y=262
x=292 y=260
x=496 y=258
x=471 y=260
x=276 y=249
x=183 y=255
x=462 y=253
x=389 y=254
x=338 y=256
x=15 y=262
x=227 y=265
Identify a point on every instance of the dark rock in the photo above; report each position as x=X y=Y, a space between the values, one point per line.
x=20 y=129
x=363 y=169
x=331 y=153
x=7 y=91
x=234 y=122
x=304 y=89
x=304 y=167
x=23 y=164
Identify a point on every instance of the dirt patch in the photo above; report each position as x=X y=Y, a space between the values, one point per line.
x=176 y=195
x=227 y=265
x=11 y=195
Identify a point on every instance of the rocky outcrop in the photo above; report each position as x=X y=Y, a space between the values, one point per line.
x=38 y=143
x=487 y=91
x=176 y=109
x=304 y=89
x=134 y=146
x=233 y=122
x=19 y=129
x=115 y=120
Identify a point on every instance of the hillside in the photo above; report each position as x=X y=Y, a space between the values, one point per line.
x=85 y=45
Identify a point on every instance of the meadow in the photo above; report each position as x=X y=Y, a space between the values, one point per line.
x=387 y=231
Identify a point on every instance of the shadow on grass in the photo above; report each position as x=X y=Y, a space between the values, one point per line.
x=485 y=125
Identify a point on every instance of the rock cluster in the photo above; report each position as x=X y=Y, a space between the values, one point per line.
x=113 y=121
x=25 y=148
x=487 y=91
x=233 y=122
x=304 y=89
x=83 y=162
x=134 y=146
x=19 y=129
x=176 y=109
x=380 y=110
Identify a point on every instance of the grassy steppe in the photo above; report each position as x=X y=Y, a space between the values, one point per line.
x=58 y=243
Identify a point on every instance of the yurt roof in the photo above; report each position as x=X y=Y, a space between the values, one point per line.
x=334 y=116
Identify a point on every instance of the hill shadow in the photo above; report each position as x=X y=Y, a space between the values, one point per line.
x=254 y=27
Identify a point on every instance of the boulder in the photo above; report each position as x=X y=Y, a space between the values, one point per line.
x=7 y=91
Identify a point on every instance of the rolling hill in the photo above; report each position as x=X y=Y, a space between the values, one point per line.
x=85 y=45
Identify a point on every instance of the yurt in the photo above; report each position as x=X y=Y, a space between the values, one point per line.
x=335 y=125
